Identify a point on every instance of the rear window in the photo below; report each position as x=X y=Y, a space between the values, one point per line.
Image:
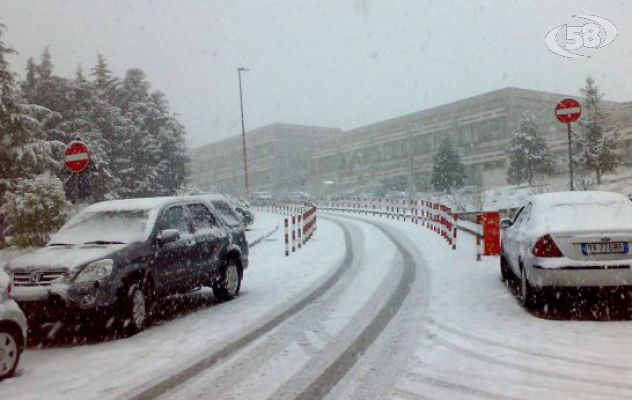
x=227 y=212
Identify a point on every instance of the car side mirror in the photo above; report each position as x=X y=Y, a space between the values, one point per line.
x=506 y=223
x=167 y=236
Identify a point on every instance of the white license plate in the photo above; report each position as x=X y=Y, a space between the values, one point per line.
x=604 y=248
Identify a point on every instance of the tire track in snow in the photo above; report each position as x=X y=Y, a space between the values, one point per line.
x=463 y=389
x=162 y=387
x=305 y=330
x=535 y=371
x=493 y=343
x=336 y=370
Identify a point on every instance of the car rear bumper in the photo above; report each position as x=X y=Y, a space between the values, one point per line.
x=612 y=275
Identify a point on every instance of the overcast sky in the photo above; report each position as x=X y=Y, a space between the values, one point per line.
x=341 y=63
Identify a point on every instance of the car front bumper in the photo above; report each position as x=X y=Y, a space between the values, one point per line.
x=64 y=301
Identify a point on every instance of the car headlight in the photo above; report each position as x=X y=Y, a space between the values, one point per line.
x=95 y=271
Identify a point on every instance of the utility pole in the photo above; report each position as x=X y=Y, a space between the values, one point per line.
x=570 y=156
x=243 y=131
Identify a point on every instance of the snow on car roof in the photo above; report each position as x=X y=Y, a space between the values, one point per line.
x=148 y=203
x=580 y=212
x=214 y=196
x=561 y=198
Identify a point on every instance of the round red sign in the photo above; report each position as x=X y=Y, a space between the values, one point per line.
x=76 y=156
x=568 y=110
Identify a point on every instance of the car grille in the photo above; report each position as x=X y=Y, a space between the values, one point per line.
x=37 y=277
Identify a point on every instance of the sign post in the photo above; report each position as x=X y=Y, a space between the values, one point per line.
x=77 y=159
x=568 y=111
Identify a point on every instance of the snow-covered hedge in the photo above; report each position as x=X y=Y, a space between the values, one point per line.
x=34 y=209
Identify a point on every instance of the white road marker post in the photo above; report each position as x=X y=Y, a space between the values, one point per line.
x=293 y=233
x=299 y=228
x=455 y=222
x=287 y=240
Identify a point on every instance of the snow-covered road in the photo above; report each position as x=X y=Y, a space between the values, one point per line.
x=369 y=309
x=477 y=342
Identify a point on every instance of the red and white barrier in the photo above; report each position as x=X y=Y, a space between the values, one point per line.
x=436 y=217
x=301 y=216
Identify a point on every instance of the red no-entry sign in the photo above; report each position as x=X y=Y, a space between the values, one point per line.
x=76 y=156
x=568 y=110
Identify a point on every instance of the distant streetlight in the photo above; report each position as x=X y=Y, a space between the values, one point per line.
x=243 y=131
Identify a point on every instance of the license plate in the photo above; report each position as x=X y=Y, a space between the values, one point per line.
x=604 y=248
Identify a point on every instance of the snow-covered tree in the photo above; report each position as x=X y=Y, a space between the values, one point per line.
x=154 y=142
x=24 y=149
x=597 y=145
x=447 y=170
x=104 y=79
x=137 y=146
x=34 y=209
x=528 y=153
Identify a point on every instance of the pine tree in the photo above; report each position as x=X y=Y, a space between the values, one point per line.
x=105 y=81
x=45 y=68
x=528 y=152
x=31 y=71
x=25 y=150
x=597 y=146
x=140 y=151
x=447 y=170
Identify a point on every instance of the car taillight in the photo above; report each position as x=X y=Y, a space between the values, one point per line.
x=546 y=247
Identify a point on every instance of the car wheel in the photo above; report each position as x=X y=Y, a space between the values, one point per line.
x=9 y=352
x=136 y=309
x=229 y=283
x=505 y=273
x=527 y=293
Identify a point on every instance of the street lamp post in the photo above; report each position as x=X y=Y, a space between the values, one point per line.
x=243 y=131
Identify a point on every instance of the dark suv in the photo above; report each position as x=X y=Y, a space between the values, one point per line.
x=116 y=258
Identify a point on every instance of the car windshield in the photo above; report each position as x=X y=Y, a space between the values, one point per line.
x=104 y=227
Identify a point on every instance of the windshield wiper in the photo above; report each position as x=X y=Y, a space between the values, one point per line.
x=104 y=242
x=60 y=244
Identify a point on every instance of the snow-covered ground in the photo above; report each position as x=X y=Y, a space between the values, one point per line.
x=457 y=331
x=477 y=342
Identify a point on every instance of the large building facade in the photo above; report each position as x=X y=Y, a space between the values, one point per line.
x=287 y=157
x=480 y=127
x=278 y=159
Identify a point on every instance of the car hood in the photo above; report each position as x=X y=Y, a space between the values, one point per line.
x=69 y=257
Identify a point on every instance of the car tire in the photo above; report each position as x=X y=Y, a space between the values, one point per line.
x=506 y=275
x=527 y=294
x=229 y=283
x=136 y=309
x=9 y=352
